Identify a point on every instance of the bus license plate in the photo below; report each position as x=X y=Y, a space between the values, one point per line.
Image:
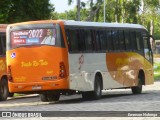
x=36 y=87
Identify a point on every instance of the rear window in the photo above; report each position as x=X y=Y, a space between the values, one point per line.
x=33 y=37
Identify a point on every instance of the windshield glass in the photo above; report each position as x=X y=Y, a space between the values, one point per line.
x=33 y=37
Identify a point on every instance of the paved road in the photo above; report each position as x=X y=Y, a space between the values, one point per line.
x=112 y=100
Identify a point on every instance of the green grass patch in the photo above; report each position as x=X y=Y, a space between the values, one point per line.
x=17 y=94
x=157 y=71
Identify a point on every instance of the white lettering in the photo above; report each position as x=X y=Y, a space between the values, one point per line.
x=20 y=33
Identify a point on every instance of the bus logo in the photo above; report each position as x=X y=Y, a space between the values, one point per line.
x=13 y=55
x=81 y=61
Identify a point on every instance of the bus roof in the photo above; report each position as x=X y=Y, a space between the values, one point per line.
x=101 y=24
x=87 y=24
x=3 y=27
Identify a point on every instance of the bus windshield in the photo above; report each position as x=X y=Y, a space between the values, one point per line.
x=33 y=37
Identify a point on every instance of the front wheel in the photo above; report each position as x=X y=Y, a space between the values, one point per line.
x=137 y=89
x=4 y=91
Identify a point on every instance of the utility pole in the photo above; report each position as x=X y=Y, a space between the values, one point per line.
x=78 y=10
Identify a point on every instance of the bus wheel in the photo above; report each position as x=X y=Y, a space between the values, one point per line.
x=53 y=97
x=4 y=89
x=138 y=89
x=97 y=93
x=44 y=97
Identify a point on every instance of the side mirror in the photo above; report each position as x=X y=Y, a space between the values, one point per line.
x=152 y=43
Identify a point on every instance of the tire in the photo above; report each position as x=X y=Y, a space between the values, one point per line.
x=137 y=89
x=4 y=91
x=53 y=97
x=49 y=97
x=44 y=97
x=97 y=93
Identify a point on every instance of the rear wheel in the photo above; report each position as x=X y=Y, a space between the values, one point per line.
x=53 y=97
x=4 y=91
x=49 y=97
x=97 y=93
x=44 y=97
x=138 y=89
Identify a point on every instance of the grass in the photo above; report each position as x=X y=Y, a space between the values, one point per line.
x=157 y=71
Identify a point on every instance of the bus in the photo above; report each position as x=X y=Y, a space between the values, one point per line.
x=55 y=57
x=4 y=92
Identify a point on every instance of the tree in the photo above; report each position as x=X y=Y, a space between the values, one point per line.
x=25 y=10
x=4 y=10
x=150 y=16
x=78 y=8
x=94 y=10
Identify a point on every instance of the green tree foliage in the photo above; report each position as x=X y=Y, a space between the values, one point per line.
x=122 y=11
x=24 y=10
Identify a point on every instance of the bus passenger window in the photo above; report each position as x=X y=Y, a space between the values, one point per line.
x=115 y=40
x=139 y=41
x=1 y=46
x=109 y=40
x=133 y=40
x=121 y=40
x=127 y=40
x=88 y=40
x=103 y=40
x=73 y=38
x=98 y=44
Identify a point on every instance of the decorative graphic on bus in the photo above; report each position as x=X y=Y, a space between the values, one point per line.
x=13 y=55
x=32 y=37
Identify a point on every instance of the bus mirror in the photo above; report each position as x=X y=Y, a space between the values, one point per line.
x=152 y=43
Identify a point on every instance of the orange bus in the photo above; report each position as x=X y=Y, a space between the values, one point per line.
x=54 y=57
x=4 y=92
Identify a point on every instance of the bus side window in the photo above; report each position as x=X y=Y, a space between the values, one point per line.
x=98 y=43
x=121 y=39
x=109 y=40
x=133 y=40
x=4 y=44
x=139 y=40
x=102 y=40
x=88 y=39
x=73 y=38
x=1 y=46
x=81 y=42
x=127 y=40
x=94 y=43
x=68 y=40
x=115 y=40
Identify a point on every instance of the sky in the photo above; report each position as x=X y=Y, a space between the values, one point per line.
x=62 y=5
